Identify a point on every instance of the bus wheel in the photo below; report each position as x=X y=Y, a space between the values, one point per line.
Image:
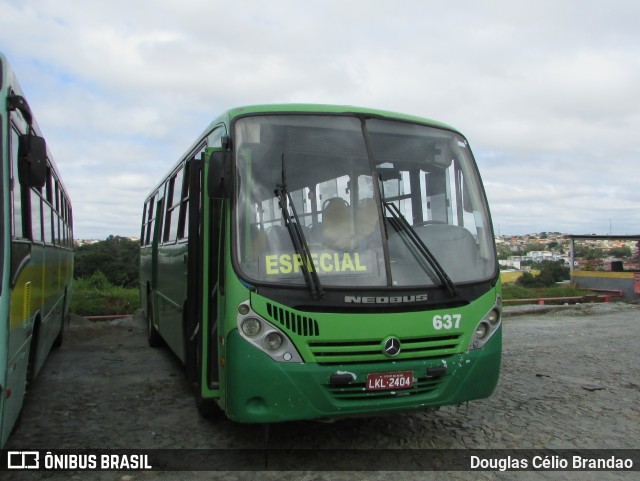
x=153 y=336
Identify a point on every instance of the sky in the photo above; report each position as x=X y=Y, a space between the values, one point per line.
x=546 y=92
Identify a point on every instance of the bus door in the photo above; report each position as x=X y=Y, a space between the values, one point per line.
x=157 y=232
x=216 y=283
x=193 y=314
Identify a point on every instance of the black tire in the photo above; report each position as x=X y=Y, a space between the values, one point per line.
x=153 y=336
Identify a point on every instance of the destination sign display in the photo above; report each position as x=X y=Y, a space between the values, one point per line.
x=326 y=263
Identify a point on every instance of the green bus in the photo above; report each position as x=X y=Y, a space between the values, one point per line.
x=318 y=262
x=36 y=250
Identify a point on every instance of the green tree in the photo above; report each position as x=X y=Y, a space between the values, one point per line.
x=504 y=251
x=118 y=258
x=589 y=253
x=551 y=272
x=527 y=280
x=531 y=247
x=557 y=270
x=623 y=252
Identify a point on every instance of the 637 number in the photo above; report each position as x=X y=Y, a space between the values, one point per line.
x=447 y=321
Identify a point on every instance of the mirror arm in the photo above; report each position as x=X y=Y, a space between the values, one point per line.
x=17 y=102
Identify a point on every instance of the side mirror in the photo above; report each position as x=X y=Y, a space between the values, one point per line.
x=32 y=160
x=219 y=176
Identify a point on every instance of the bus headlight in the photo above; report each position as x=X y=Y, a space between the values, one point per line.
x=481 y=331
x=251 y=327
x=487 y=326
x=494 y=316
x=265 y=335
x=273 y=341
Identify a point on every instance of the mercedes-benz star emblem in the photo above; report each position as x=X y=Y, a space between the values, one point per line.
x=392 y=346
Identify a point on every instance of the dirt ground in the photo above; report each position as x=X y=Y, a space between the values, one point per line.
x=570 y=379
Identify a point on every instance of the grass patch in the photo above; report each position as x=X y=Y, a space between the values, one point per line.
x=516 y=292
x=95 y=296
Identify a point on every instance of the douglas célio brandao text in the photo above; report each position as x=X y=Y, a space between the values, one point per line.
x=569 y=462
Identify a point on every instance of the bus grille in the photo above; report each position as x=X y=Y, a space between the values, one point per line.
x=357 y=392
x=352 y=352
x=301 y=325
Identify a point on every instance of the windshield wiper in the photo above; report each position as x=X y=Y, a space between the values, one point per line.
x=401 y=224
x=297 y=236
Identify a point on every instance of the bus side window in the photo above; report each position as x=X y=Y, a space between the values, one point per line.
x=183 y=222
x=144 y=223
x=36 y=216
x=16 y=188
x=66 y=238
x=47 y=209
x=47 y=223
x=49 y=186
x=150 y=217
x=173 y=206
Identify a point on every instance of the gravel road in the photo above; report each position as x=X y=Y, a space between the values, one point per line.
x=570 y=379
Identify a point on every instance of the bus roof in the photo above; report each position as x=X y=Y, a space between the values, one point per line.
x=231 y=114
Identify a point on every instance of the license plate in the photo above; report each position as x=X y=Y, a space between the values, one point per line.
x=384 y=381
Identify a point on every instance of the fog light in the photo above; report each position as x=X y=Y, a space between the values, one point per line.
x=251 y=327
x=494 y=316
x=273 y=341
x=243 y=309
x=482 y=330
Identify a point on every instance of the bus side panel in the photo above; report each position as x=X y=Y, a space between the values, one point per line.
x=36 y=277
x=172 y=284
x=4 y=236
x=26 y=307
x=54 y=309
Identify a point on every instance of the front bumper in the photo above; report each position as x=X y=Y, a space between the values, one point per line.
x=260 y=390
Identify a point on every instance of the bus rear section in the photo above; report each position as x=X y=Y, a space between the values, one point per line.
x=345 y=266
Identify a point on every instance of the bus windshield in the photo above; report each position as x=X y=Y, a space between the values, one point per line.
x=379 y=203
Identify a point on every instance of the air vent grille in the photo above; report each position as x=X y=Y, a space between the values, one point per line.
x=300 y=325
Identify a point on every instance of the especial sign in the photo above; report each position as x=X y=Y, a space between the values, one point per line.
x=328 y=263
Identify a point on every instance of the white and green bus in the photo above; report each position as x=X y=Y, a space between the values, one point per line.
x=318 y=262
x=36 y=249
